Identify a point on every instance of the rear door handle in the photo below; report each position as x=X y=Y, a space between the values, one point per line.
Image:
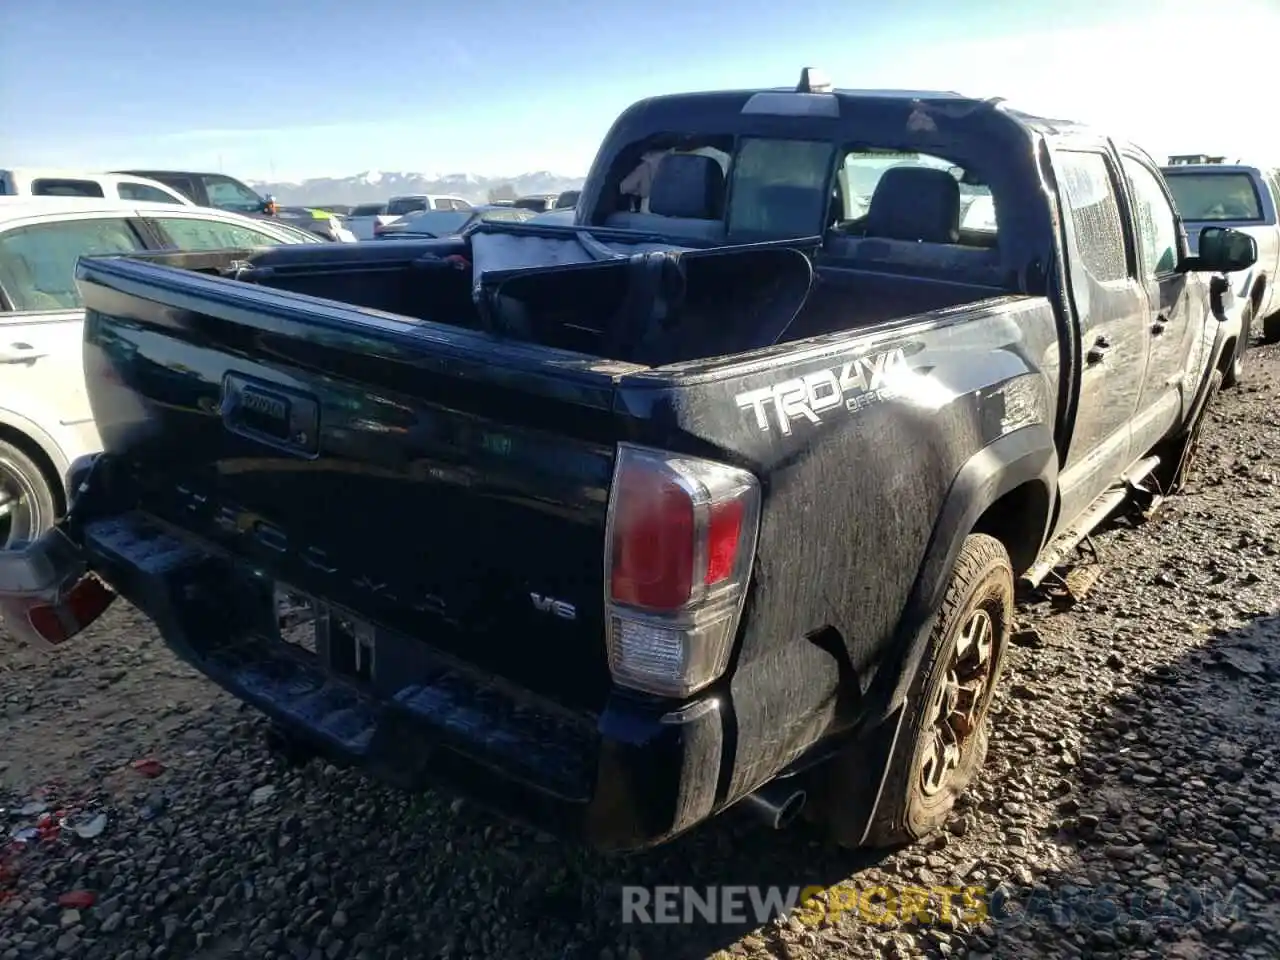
x=20 y=353
x=1098 y=352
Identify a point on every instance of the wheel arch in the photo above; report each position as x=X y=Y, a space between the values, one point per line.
x=1007 y=490
x=1257 y=291
x=40 y=447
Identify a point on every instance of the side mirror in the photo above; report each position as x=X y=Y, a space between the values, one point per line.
x=1223 y=250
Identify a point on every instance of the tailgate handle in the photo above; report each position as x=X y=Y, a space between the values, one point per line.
x=277 y=416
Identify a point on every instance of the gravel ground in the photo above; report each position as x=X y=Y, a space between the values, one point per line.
x=1130 y=805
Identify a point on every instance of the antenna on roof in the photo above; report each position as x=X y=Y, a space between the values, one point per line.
x=813 y=80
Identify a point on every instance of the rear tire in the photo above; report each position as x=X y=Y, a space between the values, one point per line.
x=1271 y=329
x=28 y=504
x=942 y=742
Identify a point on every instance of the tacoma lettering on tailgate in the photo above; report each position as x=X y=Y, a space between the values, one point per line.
x=850 y=385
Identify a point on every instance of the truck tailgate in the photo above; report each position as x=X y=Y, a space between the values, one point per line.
x=433 y=481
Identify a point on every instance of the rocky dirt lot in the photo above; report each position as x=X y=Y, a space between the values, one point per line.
x=1130 y=806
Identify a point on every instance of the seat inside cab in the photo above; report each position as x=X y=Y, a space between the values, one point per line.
x=685 y=198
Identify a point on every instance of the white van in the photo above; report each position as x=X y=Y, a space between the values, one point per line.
x=41 y=182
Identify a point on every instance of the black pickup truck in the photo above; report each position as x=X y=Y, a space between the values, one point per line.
x=717 y=494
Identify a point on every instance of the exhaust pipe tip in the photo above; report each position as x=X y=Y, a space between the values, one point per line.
x=778 y=805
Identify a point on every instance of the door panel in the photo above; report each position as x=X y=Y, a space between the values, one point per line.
x=41 y=374
x=1114 y=342
x=1168 y=388
x=41 y=371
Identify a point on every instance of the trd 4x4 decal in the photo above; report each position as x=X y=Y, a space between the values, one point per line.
x=850 y=386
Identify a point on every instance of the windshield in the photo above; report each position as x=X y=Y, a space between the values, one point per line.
x=402 y=205
x=438 y=223
x=1214 y=196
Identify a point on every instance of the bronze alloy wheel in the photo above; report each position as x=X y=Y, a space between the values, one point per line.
x=959 y=705
x=941 y=739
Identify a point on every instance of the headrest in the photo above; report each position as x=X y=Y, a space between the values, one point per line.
x=915 y=203
x=687 y=185
x=790 y=210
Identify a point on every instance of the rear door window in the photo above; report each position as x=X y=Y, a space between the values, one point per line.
x=184 y=185
x=38 y=261
x=57 y=187
x=1089 y=193
x=130 y=190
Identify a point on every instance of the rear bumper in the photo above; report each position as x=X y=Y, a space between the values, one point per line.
x=629 y=778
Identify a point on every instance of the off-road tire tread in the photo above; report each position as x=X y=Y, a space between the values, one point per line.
x=1230 y=377
x=1271 y=328
x=979 y=557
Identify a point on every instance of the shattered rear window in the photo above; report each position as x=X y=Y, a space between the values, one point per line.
x=1090 y=197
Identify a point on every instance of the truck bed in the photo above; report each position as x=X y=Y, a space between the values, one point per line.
x=605 y=294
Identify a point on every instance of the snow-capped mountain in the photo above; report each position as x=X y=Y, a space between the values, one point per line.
x=375 y=185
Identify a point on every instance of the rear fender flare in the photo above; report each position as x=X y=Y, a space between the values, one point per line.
x=1027 y=455
x=1022 y=456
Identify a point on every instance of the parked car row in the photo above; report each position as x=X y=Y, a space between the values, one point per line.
x=215 y=190
x=402 y=216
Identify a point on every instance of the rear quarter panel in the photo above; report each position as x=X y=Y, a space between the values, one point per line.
x=857 y=440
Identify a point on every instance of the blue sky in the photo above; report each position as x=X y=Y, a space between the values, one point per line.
x=287 y=89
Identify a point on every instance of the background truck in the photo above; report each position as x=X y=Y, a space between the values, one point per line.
x=618 y=523
x=1246 y=199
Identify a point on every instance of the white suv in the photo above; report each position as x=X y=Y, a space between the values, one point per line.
x=38 y=182
x=45 y=419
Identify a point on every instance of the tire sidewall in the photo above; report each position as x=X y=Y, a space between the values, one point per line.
x=41 y=500
x=1188 y=456
x=1242 y=347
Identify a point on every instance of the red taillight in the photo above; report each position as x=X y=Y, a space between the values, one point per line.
x=723 y=537
x=653 y=544
x=682 y=534
x=56 y=621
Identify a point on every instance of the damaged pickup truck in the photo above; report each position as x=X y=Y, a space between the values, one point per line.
x=717 y=494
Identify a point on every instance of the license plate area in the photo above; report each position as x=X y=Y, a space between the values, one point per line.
x=339 y=640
